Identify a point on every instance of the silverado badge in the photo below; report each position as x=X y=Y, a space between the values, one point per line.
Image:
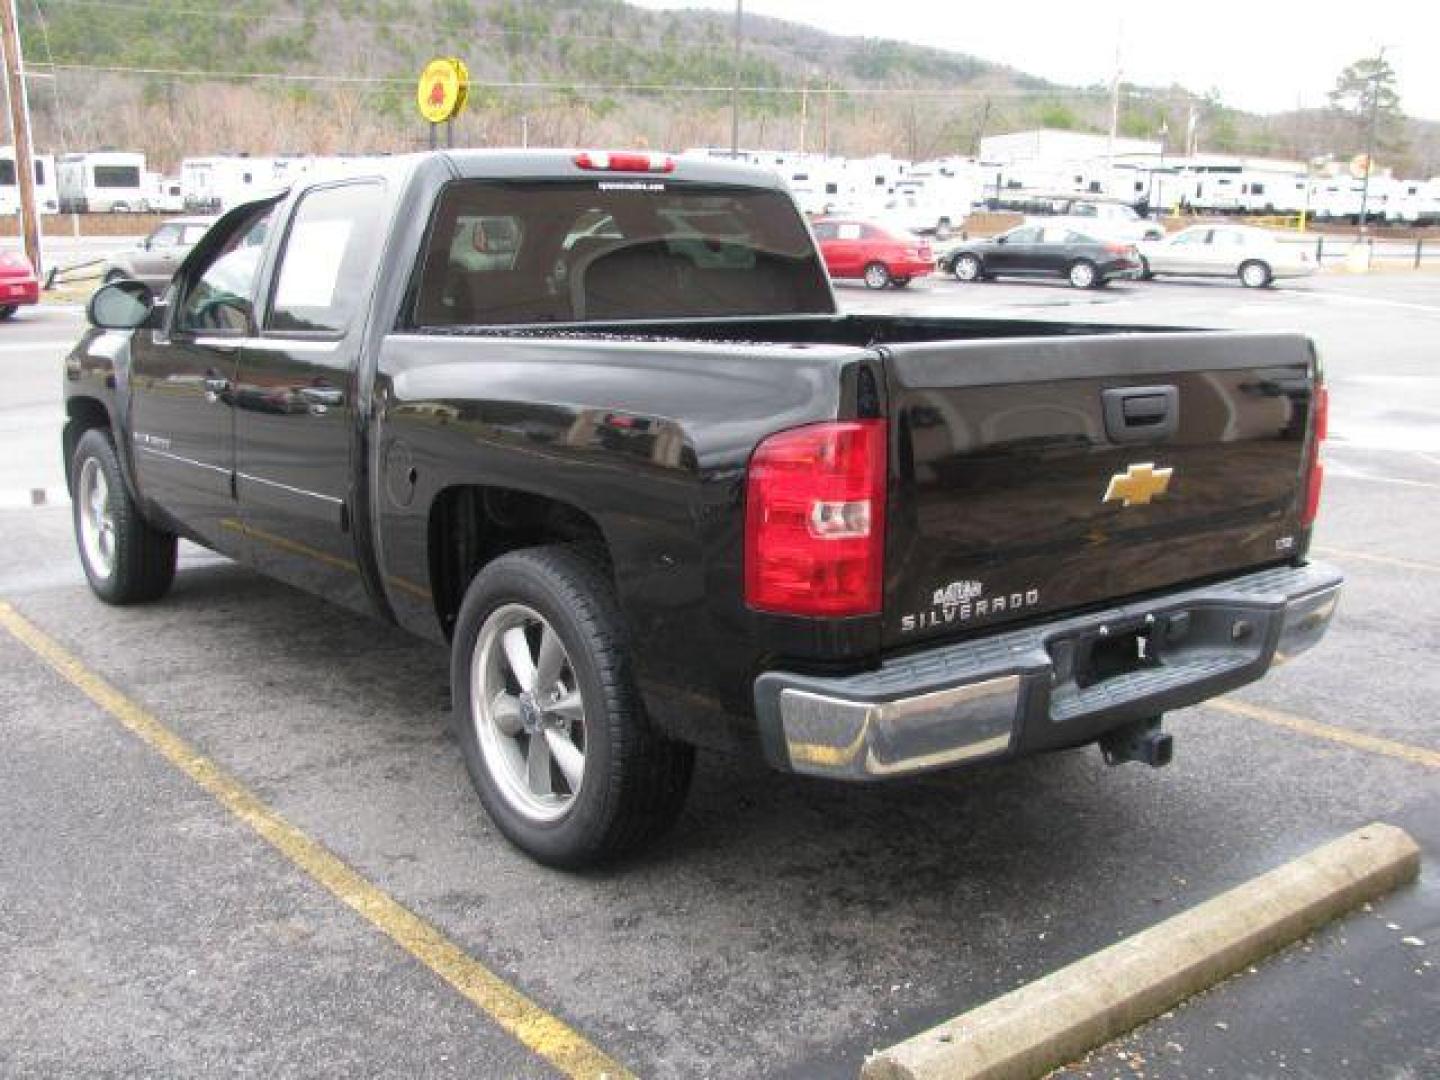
x=1137 y=485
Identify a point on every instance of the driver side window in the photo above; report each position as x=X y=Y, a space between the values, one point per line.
x=221 y=294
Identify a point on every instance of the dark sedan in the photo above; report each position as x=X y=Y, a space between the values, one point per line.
x=1043 y=251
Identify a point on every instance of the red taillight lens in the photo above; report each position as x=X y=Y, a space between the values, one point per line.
x=1119 y=249
x=1315 y=477
x=815 y=520
x=602 y=161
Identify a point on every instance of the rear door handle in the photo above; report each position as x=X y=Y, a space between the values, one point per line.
x=1141 y=414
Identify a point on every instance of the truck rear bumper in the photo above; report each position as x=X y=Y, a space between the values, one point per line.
x=1048 y=686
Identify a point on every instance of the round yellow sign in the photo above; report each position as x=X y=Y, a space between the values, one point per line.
x=444 y=86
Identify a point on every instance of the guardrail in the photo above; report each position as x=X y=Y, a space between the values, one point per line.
x=1415 y=254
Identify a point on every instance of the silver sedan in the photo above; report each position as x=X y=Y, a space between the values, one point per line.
x=1253 y=255
x=156 y=258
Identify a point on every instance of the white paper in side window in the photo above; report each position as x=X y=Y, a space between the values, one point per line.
x=311 y=266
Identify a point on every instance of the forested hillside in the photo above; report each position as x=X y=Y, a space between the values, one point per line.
x=268 y=76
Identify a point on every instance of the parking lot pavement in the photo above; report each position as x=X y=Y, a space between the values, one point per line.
x=787 y=927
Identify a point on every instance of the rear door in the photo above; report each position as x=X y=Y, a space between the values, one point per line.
x=1045 y=474
x=294 y=398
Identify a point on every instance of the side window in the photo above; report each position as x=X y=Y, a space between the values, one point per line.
x=824 y=230
x=1198 y=236
x=329 y=251
x=1023 y=236
x=1223 y=238
x=847 y=230
x=221 y=294
x=167 y=236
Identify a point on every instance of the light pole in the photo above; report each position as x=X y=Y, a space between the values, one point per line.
x=735 y=84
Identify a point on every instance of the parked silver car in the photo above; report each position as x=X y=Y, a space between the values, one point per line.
x=156 y=258
x=1253 y=255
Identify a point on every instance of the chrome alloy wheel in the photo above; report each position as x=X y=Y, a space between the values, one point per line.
x=528 y=713
x=97 y=520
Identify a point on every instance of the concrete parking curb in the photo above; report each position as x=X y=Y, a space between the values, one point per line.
x=1060 y=1017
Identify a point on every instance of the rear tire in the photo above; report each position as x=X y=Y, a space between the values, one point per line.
x=1145 y=272
x=7 y=311
x=900 y=282
x=125 y=558
x=876 y=276
x=1255 y=274
x=609 y=782
x=1082 y=274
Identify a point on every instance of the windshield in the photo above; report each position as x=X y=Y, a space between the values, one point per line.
x=504 y=253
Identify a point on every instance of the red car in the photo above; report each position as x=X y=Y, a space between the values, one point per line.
x=18 y=284
x=879 y=255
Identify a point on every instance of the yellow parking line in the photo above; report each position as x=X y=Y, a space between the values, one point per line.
x=546 y=1035
x=1383 y=560
x=1416 y=755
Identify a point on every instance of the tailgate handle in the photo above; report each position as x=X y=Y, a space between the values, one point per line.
x=1141 y=413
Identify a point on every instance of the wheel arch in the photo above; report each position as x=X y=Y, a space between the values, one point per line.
x=469 y=525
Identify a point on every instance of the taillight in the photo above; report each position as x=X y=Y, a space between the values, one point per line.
x=601 y=161
x=815 y=520
x=1315 y=475
x=1119 y=249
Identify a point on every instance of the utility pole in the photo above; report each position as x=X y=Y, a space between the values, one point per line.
x=825 y=120
x=735 y=84
x=804 y=110
x=984 y=120
x=20 y=127
x=1370 y=136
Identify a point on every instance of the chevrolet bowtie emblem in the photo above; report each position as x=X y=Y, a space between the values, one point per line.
x=1137 y=485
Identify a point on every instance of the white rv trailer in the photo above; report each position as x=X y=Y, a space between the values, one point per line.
x=46 y=196
x=1415 y=202
x=101 y=182
x=209 y=185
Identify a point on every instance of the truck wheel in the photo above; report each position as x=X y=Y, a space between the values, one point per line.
x=876 y=276
x=554 y=734
x=1082 y=274
x=125 y=558
x=900 y=282
x=7 y=311
x=1254 y=274
x=967 y=268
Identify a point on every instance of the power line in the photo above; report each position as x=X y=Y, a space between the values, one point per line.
x=561 y=85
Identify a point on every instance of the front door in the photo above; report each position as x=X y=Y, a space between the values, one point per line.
x=182 y=382
x=295 y=396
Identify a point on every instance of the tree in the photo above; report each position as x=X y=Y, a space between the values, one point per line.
x=1364 y=89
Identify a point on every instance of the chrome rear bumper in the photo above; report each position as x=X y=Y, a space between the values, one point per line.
x=1026 y=691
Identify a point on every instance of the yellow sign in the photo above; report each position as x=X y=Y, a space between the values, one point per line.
x=1137 y=485
x=1360 y=166
x=444 y=87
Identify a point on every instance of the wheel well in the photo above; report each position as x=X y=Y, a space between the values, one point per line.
x=470 y=525
x=84 y=413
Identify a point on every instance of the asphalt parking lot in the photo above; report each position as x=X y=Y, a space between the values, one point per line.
x=787 y=927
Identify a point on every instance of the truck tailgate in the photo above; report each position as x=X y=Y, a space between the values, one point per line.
x=1046 y=474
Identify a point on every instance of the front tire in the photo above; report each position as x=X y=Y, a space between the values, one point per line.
x=7 y=311
x=1082 y=274
x=967 y=268
x=125 y=558
x=548 y=717
x=1255 y=274
x=1146 y=274
x=876 y=276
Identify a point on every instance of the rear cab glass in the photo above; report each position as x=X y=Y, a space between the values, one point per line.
x=548 y=251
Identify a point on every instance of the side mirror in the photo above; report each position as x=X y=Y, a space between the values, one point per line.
x=1002 y=239
x=121 y=305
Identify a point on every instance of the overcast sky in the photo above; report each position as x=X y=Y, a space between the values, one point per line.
x=1262 y=55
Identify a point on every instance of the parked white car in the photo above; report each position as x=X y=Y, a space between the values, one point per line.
x=1106 y=221
x=1253 y=255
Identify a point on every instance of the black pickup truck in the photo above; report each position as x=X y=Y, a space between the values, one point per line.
x=594 y=421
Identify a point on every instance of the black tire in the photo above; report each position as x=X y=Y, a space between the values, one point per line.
x=968 y=268
x=635 y=779
x=1082 y=274
x=1255 y=274
x=876 y=275
x=142 y=558
x=114 y=276
x=1146 y=274
x=7 y=311
x=900 y=282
